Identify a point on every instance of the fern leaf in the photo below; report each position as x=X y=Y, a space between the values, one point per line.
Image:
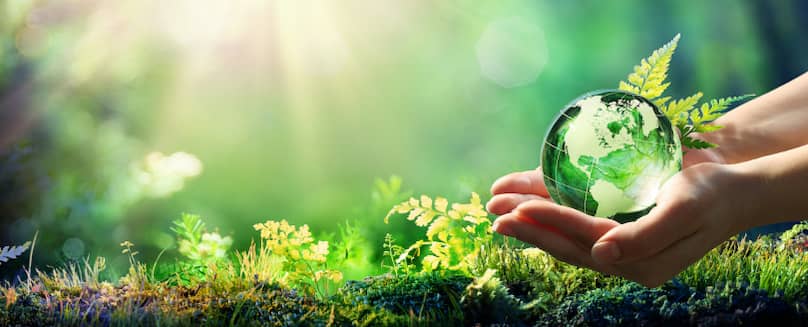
x=12 y=252
x=660 y=102
x=437 y=226
x=425 y=218
x=695 y=144
x=426 y=202
x=629 y=88
x=715 y=108
x=415 y=213
x=648 y=78
x=706 y=128
x=441 y=204
x=675 y=108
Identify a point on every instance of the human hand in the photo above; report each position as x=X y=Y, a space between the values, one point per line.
x=692 y=216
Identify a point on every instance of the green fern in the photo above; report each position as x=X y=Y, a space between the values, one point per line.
x=455 y=234
x=648 y=80
x=712 y=111
x=13 y=252
x=195 y=243
x=677 y=110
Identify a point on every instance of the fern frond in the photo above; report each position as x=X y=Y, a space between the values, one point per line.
x=660 y=102
x=710 y=111
x=189 y=227
x=648 y=78
x=696 y=144
x=437 y=226
x=12 y=252
x=677 y=110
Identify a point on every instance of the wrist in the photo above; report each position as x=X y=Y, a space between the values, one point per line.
x=754 y=202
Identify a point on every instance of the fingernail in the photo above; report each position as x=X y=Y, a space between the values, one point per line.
x=504 y=230
x=605 y=252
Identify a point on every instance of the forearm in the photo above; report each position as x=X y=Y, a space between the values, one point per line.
x=771 y=123
x=777 y=188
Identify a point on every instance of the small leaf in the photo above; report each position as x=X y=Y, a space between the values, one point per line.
x=648 y=78
x=426 y=202
x=415 y=213
x=441 y=204
x=707 y=128
x=12 y=252
x=676 y=110
x=696 y=144
x=629 y=88
x=425 y=218
x=437 y=226
x=431 y=262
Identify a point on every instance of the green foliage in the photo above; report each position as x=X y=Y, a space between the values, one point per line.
x=304 y=262
x=487 y=301
x=403 y=294
x=392 y=253
x=674 y=304
x=351 y=251
x=537 y=277
x=454 y=235
x=387 y=192
x=137 y=276
x=75 y=275
x=198 y=245
x=759 y=263
x=648 y=80
x=794 y=231
x=12 y=252
x=275 y=283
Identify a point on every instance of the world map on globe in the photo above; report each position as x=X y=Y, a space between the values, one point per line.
x=608 y=153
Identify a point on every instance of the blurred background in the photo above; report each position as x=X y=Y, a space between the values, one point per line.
x=118 y=116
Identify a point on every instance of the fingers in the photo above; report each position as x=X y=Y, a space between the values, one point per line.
x=551 y=241
x=672 y=260
x=526 y=182
x=647 y=236
x=501 y=204
x=581 y=227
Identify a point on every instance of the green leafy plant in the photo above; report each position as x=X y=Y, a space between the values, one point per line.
x=136 y=277
x=351 y=252
x=198 y=245
x=649 y=80
x=759 y=263
x=489 y=301
x=794 y=231
x=304 y=261
x=392 y=253
x=454 y=236
x=12 y=252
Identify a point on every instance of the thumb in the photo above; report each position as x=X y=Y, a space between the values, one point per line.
x=647 y=236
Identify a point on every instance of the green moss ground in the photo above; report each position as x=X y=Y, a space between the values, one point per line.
x=739 y=283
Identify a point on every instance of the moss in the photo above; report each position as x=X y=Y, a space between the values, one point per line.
x=675 y=304
x=428 y=294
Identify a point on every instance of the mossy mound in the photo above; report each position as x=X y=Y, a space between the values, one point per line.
x=676 y=304
x=406 y=294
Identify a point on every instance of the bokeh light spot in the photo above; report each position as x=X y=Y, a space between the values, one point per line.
x=512 y=51
x=73 y=248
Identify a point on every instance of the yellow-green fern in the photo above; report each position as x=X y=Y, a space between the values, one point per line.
x=649 y=80
x=455 y=234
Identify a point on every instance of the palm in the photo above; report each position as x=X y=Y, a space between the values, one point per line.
x=531 y=216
